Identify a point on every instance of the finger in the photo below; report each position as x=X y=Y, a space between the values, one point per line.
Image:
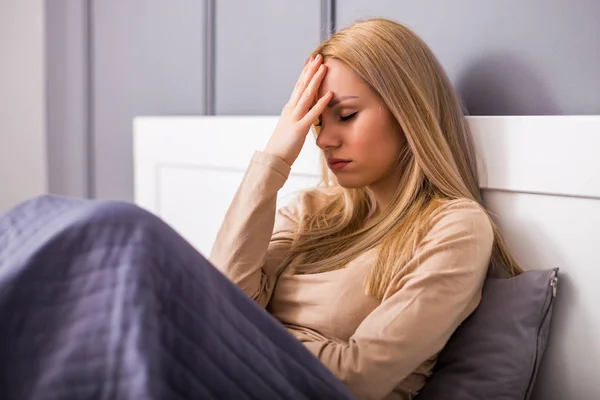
x=304 y=69
x=303 y=80
x=306 y=78
x=300 y=80
x=315 y=112
x=310 y=93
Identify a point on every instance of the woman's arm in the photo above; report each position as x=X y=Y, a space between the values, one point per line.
x=254 y=238
x=421 y=309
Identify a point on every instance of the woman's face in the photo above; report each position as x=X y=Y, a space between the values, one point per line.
x=358 y=135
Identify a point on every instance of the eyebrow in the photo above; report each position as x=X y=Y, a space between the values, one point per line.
x=337 y=100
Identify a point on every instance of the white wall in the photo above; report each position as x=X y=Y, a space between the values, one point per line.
x=23 y=171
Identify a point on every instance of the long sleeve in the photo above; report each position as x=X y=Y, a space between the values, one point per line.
x=254 y=238
x=420 y=309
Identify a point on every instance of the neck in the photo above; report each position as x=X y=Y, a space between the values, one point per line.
x=383 y=191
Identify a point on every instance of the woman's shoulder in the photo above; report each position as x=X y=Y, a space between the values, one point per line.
x=461 y=216
x=453 y=205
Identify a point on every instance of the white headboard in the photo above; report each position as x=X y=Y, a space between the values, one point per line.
x=540 y=178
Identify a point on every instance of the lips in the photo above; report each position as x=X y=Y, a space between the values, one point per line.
x=337 y=163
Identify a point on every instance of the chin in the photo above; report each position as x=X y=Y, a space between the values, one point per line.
x=349 y=182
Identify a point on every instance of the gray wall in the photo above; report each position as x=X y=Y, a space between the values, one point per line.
x=507 y=57
x=260 y=50
x=67 y=104
x=110 y=61
x=140 y=57
x=23 y=164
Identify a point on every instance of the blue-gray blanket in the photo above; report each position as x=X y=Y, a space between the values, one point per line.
x=102 y=300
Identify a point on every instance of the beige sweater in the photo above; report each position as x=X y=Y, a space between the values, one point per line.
x=379 y=349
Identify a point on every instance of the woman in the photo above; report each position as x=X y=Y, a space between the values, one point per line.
x=374 y=271
x=371 y=272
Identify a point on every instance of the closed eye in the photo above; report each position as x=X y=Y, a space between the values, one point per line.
x=342 y=119
x=348 y=117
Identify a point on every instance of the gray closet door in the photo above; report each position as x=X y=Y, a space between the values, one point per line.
x=261 y=46
x=147 y=59
x=506 y=57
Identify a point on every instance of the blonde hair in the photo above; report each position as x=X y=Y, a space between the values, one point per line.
x=438 y=164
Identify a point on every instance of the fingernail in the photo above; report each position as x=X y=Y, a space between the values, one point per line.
x=318 y=57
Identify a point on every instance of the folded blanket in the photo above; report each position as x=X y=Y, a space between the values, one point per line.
x=103 y=300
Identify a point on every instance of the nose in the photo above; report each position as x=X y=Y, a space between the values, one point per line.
x=328 y=138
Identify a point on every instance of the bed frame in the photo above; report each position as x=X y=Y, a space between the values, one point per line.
x=540 y=179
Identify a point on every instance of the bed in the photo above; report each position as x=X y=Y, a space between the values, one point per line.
x=540 y=179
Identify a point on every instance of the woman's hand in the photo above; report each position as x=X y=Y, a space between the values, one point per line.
x=299 y=113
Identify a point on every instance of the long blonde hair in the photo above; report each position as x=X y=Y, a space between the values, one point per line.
x=438 y=163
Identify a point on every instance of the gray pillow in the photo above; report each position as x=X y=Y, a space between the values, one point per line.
x=496 y=352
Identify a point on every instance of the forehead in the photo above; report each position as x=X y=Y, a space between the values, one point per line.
x=341 y=79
